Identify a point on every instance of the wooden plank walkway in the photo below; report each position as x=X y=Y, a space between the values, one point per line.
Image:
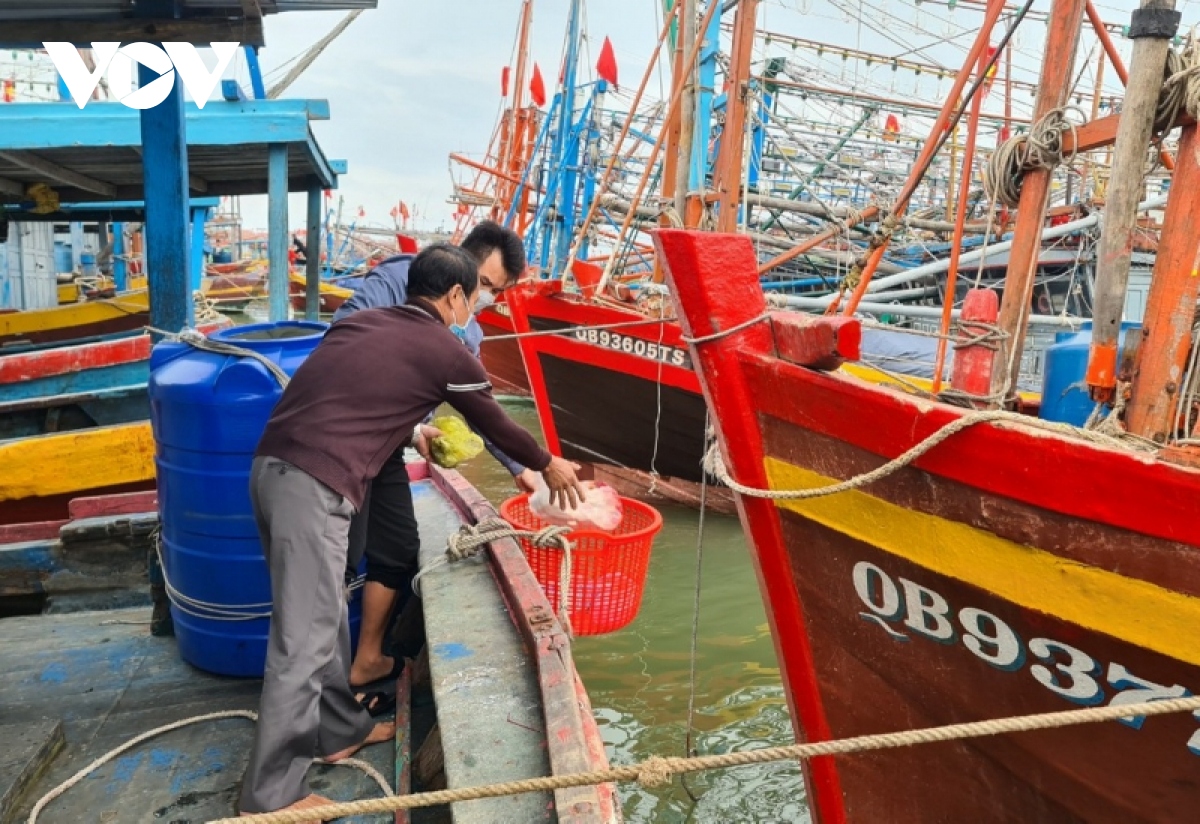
x=108 y=680
x=484 y=682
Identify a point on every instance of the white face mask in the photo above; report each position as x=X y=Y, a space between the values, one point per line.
x=485 y=299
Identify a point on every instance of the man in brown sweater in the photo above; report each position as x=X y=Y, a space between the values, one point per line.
x=357 y=398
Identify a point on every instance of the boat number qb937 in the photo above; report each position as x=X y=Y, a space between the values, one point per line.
x=903 y=607
x=633 y=346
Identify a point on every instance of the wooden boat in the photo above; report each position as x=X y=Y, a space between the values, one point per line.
x=1010 y=570
x=332 y=296
x=55 y=388
x=89 y=681
x=94 y=288
x=122 y=313
x=502 y=358
x=43 y=474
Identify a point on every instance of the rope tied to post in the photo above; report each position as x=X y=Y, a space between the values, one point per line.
x=471 y=538
x=1040 y=148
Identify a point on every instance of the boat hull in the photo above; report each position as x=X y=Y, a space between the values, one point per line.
x=1008 y=571
x=123 y=313
x=502 y=358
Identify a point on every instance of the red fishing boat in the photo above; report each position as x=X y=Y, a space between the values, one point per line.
x=501 y=354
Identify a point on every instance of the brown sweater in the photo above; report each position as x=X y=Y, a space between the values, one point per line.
x=374 y=377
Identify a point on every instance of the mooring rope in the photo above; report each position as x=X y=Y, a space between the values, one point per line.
x=656 y=771
x=186 y=722
x=714 y=463
x=1040 y=148
x=471 y=538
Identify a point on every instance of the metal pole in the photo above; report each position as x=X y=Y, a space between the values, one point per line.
x=120 y=268
x=277 y=231
x=1152 y=27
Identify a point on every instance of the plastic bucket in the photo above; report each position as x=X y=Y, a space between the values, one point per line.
x=608 y=569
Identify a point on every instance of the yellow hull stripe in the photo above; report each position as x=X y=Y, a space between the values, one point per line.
x=73 y=314
x=76 y=461
x=1128 y=609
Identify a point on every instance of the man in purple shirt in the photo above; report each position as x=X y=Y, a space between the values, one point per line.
x=353 y=403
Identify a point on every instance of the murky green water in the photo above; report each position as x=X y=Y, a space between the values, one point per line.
x=638 y=678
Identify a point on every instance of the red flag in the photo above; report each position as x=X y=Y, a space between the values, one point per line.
x=537 y=87
x=404 y=210
x=606 y=66
x=504 y=82
x=329 y=194
x=362 y=212
x=10 y=91
x=1005 y=133
x=891 y=127
x=395 y=212
x=991 y=73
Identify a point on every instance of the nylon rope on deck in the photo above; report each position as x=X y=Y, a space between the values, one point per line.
x=471 y=538
x=45 y=800
x=656 y=771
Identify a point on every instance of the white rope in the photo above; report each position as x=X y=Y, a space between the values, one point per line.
x=471 y=538
x=714 y=462
x=186 y=722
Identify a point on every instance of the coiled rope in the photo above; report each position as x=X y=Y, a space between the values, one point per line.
x=471 y=538
x=657 y=771
x=1040 y=148
x=186 y=722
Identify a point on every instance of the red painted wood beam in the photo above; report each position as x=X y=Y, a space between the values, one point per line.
x=125 y=503
x=714 y=283
x=1171 y=304
x=1062 y=40
x=816 y=341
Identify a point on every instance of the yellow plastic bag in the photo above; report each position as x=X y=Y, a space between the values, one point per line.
x=457 y=444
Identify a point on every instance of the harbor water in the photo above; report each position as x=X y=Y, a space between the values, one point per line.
x=638 y=678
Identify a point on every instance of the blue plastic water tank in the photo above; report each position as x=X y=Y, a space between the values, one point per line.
x=1064 y=393
x=208 y=412
x=222 y=256
x=87 y=264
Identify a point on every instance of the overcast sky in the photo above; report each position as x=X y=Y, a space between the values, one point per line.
x=414 y=80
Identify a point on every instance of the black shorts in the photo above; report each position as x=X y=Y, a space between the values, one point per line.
x=385 y=529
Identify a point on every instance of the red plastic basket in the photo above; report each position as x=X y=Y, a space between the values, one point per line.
x=608 y=569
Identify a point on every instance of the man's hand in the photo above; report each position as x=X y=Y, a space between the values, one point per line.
x=565 y=491
x=526 y=481
x=421 y=438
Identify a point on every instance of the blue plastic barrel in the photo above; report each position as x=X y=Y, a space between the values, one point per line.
x=1064 y=391
x=222 y=256
x=87 y=264
x=62 y=258
x=208 y=412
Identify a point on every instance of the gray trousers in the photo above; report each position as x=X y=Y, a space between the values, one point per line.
x=307 y=706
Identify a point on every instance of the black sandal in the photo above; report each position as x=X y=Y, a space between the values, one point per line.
x=378 y=702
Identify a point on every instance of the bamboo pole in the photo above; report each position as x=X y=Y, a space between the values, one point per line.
x=1062 y=40
x=1125 y=189
x=687 y=116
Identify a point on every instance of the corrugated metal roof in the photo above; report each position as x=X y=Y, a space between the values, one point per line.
x=94 y=9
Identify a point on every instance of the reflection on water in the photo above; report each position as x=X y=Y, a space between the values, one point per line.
x=638 y=678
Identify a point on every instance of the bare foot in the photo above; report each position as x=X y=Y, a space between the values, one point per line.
x=381 y=732
x=364 y=672
x=308 y=802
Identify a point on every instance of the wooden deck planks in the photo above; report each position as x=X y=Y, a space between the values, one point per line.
x=109 y=680
x=486 y=688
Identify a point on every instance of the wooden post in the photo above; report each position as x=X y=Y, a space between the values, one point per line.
x=687 y=117
x=312 y=257
x=1062 y=40
x=120 y=269
x=1167 y=325
x=1152 y=27
x=277 y=232
x=165 y=172
x=727 y=173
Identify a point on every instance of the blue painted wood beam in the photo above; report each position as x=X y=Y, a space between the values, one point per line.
x=165 y=170
x=196 y=269
x=256 y=77
x=120 y=267
x=312 y=257
x=277 y=232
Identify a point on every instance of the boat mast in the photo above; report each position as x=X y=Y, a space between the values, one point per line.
x=1152 y=27
x=565 y=154
x=1062 y=40
x=687 y=112
x=727 y=172
x=510 y=159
